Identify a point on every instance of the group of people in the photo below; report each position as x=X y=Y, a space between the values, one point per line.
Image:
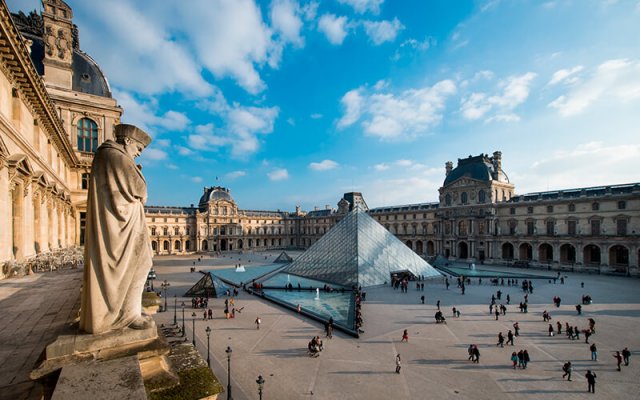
x=520 y=359
x=199 y=302
x=315 y=346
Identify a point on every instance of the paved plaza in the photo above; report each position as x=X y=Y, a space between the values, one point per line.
x=434 y=361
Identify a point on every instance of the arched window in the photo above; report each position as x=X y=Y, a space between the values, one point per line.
x=87 y=135
x=447 y=199
x=481 y=196
x=463 y=198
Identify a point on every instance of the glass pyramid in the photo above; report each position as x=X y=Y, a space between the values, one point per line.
x=358 y=251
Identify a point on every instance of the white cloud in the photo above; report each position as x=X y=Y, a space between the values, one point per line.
x=154 y=154
x=511 y=92
x=172 y=166
x=316 y=116
x=278 y=174
x=616 y=80
x=352 y=103
x=362 y=6
x=412 y=46
x=162 y=142
x=333 y=27
x=143 y=113
x=597 y=160
x=291 y=121
x=196 y=179
x=381 y=167
x=382 y=31
x=235 y=175
x=184 y=151
x=394 y=116
x=323 y=165
x=285 y=20
x=566 y=75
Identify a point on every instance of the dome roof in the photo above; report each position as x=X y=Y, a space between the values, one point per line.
x=480 y=168
x=215 y=193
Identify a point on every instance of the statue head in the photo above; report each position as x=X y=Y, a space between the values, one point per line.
x=133 y=138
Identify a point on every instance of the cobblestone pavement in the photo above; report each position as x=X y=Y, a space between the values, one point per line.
x=35 y=309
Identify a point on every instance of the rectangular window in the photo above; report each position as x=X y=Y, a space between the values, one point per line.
x=153 y=231
x=550 y=227
x=531 y=228
x=512 y=227
x=622 y=205
x=571 y=227
x=595 y=227
x=549 y=209
x=529 y=210
x=481 y=228
x=621 y=227
x=83 y=223
x=512 y=211
x=177 y=231
x=595 y=207
x=85 y=181
x=572 y=207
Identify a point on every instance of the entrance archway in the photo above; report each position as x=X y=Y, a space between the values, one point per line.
x=165 y=245
x=545 y=252
x=463 y=250
x=507 y=251
x=223 y=244
x=526 y=252
x=591 y=254
x=239 y=243
x=567 y=254
x=419 y=248
x=205 y=245
x=430 y=248
x=619 y=255
x=409 y=244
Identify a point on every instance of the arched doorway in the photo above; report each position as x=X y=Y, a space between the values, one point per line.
x=154 y=246
x=176 y=245
x=223 y=244
x=165 y=245
x=545 y=252
x=591 y=254
x=507 y=251
x=526 y=252
x=205 y=245
x=567 y=254
x=409 y=244
x=419 y=247
x=619 y=255
x=463 y=250
x=239 y=243
x=187 y=245
x=430 y=248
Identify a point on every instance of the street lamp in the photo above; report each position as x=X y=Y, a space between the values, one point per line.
x=175 y=310
x=260 y=383
x=194 y=328
x=165 y=286
x=152 y=276
x=228 y=351
x=183 y=326
x=208 y=330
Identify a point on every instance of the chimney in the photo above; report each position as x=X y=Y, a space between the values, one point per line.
x=315 y=208
x=497 y=160
x=327 y=207
x=448 y=167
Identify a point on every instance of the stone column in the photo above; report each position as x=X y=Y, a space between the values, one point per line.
x=61 y=222
x=50 y=239
x=37 y=223
x=5 y=213
x=17 y=200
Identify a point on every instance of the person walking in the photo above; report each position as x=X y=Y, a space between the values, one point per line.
x=476 y=354
x=625 y=356
x=398 y=364
x=521 y=359
x=618 y=358
x=438 y=305
x=594 y=352
x=422 y=299
x=559 y=328
x=591 y=380
x=501 y=340
x=526 y=358
x=550 y=330
x=497 y=313
x=258 y=322
x=514 y=359
x=510 y=337
x=405 y=336
x=567 y=368
x=516 y=328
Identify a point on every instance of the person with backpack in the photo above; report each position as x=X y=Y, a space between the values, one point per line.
x=567 y=368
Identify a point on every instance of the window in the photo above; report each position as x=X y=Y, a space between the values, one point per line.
x=529 y=210
x=165 y=231
x=571 y=227
x=176 y=230
x=622 y=205
x=572 y=207
x=481 y=196
x=447 y=199
x=551 y=225
x=87 y=135
x=447 y=228
x=462 y=228
x=83 y=224
x=512 y=211
x=85 y=181
x=463 y=198
x=513 y=225
x=595 y=206
x=188 y=232
x=153 y=231
x=176 y=219
x=531 y=227
x=621 y=226
x=481 y=228
x=595 y=226
x=549 y=209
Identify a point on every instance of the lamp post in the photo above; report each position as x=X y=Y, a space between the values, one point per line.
x=208 y=330
x=175 y=310
x=165 y=286
x=152 y=276
x=228 y=351
x=260 y=383
x=183 y=326
x=194 y=328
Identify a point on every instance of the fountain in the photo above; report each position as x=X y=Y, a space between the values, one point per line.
x=288 y=279
x=317 y=293
x=473 y=266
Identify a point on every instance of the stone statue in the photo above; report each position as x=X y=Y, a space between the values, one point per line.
x=117 y=255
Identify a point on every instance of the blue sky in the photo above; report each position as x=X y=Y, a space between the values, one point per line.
x=294 y=103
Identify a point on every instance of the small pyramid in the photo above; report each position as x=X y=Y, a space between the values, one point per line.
x=283 y=258
x=359 y=251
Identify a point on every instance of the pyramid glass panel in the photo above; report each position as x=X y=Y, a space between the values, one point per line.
x=358 y=251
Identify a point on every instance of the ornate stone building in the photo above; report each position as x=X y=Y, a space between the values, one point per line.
x=478 y=218
x=55 y=109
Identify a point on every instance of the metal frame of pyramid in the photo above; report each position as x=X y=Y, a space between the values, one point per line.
x=358 y=251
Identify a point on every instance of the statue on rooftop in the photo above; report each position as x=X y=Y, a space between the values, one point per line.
x=118 y=253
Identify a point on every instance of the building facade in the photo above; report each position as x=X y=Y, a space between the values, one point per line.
x=479 y=217
x=55 y=109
